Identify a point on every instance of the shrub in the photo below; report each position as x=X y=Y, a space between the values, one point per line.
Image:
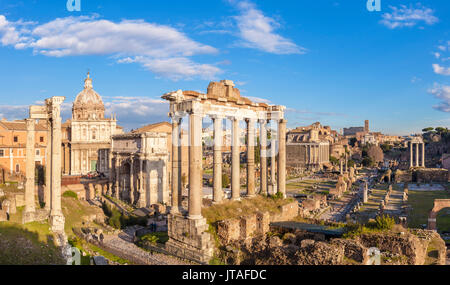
x=70 y=194
x=150 y=238
x=277 y=196
x=115 y=220
x=384 y=222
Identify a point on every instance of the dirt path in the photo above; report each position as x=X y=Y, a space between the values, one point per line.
x=123 y=243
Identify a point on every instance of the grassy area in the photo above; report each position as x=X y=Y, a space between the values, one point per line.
x=307 y=186
x=422 y=202
x=30 y=244
x=235 y=209
x=73 y=211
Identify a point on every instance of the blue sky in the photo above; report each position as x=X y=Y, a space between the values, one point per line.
x=331 y=61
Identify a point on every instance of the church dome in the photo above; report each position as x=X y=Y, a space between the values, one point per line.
x=88 y=104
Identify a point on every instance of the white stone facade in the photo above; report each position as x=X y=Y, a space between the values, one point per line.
x=91 y=133
x=140 y=168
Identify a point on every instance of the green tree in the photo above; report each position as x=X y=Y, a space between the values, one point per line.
x=441 y=130
x=352 y=142
x=426 y=130
x=367 y=161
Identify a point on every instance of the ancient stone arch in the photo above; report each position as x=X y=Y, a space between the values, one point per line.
x=439 y=204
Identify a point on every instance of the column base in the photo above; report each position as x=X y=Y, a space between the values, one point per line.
x=188 y=239
x=272 y=189
x=141 y=204
x=57 y=221
x=28 y=217
x=195 y=217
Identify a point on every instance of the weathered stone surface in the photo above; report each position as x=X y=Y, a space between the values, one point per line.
x=228 y=230
x=320 y=253
x=353 y=249
x=287 y=212
x=247 y=226
x=408 y=245
x=188 y=238
x=3 y=216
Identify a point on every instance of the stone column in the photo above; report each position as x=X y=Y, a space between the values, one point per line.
x=30 y=208
x=341 y=168
x=417 y=154
x=309 y=154
x=176 y=169
x=317 y=154
x=346 y=160
x=132 y=180
x=48 y=168
x=117 y=178
x=217 y=179
x=235 y=161
x=141 y=201
x=263 y=156
x=273 y=162
x=282 y=157
x=250 y=157
x=195 y=166
x=57 y=219
x=411 y=154
x=423 y=154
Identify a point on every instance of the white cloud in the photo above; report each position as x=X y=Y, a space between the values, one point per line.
x=175 y=68
x=91 y=36
x=441 y=70
x=404 y=16
x=259 y=100
x=136 y=111
x=9 y=34
x=258 y=31
x=13 y=112
x=441 y=92
x=161 y=49
x=415 y=79
x=131 y=112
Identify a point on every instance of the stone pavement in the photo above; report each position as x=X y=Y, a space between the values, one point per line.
x=123 y=243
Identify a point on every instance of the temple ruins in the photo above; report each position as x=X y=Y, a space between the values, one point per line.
x=187 y=229
x=414 y=148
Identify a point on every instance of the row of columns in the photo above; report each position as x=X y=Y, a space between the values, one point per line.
x=415 y=162
x=315 y=154
x=195 y=161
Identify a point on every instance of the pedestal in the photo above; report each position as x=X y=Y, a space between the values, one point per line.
x=188 y=238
